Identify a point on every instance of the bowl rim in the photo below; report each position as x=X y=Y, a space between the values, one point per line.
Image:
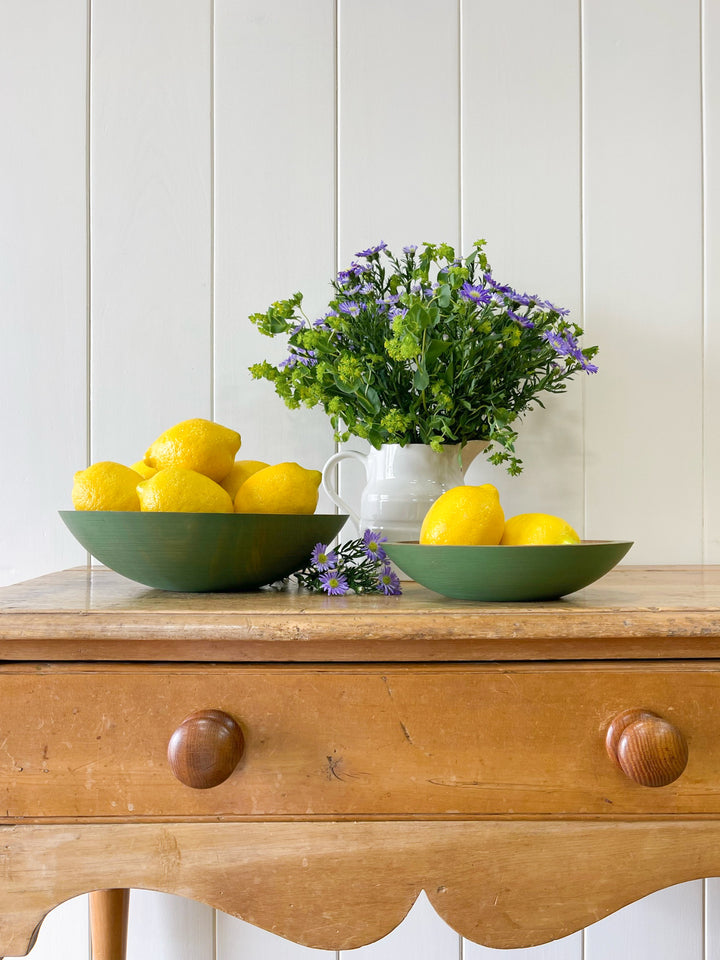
x=506 y=546
x=187 y=513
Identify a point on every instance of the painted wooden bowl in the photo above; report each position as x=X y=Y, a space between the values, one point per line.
x=501 y=573
x=201 y=551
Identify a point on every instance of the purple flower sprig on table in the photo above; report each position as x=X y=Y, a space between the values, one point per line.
x=358 y=566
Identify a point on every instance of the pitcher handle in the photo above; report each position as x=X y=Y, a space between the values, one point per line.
x=329 y=478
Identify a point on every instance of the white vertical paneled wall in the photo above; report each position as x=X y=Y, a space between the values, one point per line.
x=398 y=136
x=274 y=209
x=642 y=151
x=170 y=166
x=398 y=162
x=151 y=280
x=521 y=190
x=43 y=278
x=150 y=221
x=711 y=235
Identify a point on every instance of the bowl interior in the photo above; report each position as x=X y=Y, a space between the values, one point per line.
x=201 y=551
x=504 y=573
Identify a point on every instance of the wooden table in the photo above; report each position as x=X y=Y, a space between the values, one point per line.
x=362 y=749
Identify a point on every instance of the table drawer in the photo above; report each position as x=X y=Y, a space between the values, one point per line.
x=355 y=742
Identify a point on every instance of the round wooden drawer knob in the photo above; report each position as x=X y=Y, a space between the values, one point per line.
x=648 y=749
x=205 y=749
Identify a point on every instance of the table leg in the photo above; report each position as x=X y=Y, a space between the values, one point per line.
x=108 y=924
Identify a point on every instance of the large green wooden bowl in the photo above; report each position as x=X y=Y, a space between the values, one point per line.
x=201 y=551
x=507 y=573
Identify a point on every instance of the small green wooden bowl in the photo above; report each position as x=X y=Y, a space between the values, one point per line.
x=502 y=573
x=201 y=551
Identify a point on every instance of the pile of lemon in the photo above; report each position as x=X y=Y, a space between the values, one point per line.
x=473 y=516
x=191 y=468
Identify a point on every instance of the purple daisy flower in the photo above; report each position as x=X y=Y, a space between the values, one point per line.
x=523 y=299
x=359 y=269
x=551 y=306
x=500 y=287
x=389 y=582
x=371 y=250
x=334 y=583
x=523 y=321
x=322 y=558
x=475 y=294
x=308 y=358
x=350 y=307
x=411 y=248
x=565 y=345
x=372 y=542
x=560 y=345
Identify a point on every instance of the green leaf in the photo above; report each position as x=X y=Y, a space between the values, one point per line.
x=372 y=395
x=435 y=349
x=430 y=316
x=421 y=379
x=276 y=325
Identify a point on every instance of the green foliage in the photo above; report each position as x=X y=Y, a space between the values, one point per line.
x=425 y=348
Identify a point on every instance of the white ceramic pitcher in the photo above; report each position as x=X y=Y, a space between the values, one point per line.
x=402 y=484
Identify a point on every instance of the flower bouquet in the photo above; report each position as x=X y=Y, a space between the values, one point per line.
x=425 y=348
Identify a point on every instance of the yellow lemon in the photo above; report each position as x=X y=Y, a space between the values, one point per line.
x=537 y=528
x=465 y=515
x=241 y=470
x=143 y=469
x=199 y=445
x=106 y=486
x=281 y=488
x=177 y=490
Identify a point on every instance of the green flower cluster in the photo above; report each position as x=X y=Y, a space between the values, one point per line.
x=424 y=348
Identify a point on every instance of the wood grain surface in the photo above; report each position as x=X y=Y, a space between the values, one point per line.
x=486 y=784
x=352 y=742
x=205 y=749
x=109 y=910
x=95 y=614
x=648 y=749
x=342 y=885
